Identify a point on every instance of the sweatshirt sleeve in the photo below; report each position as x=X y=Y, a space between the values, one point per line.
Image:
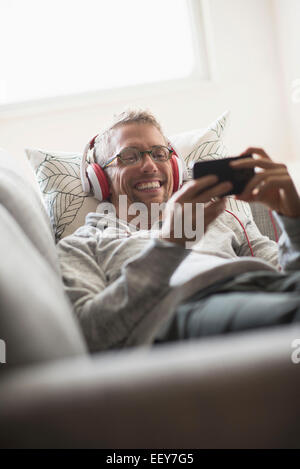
x=289 y=242
x=262 y=246
x=108 y=314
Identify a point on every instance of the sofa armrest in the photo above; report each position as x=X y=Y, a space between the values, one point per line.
x=239 y=391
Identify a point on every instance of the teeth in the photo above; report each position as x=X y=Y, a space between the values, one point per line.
x=148 y=185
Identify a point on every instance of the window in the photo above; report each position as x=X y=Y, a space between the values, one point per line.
x=56 y=48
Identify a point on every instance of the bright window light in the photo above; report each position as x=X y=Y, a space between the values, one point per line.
x=64 y=47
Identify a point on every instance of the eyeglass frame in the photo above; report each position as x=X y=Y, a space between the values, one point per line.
x=141 y=152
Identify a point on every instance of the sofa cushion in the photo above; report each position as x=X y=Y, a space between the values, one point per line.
x=36 y=319
x=24 y=202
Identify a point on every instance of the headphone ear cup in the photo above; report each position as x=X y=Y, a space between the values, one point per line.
x=98 y=181
x=178 y=170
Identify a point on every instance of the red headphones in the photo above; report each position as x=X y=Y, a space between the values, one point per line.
x=94 y=179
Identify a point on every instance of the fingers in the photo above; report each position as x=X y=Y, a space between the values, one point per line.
x=259 y=179
x=195 y=186
x=269 y=184
x=217 y=191
x=256 y=151
x=212 y=211
x=190 y=220
x=289 y=202
x=203 y=189
x=252 y=163
x=282 y=182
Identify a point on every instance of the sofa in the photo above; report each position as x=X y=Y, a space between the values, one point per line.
x=236 y=391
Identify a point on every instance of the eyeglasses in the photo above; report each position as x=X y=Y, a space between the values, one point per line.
x=131 y=155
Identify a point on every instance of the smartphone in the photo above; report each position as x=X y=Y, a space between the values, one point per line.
x=221 y=168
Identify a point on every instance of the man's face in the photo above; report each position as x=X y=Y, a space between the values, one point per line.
x=128 y=179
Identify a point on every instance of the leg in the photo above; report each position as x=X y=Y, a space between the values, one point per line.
x=251 y=301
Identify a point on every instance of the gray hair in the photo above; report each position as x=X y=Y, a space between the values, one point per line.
x=103 y=143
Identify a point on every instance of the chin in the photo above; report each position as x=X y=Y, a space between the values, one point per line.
x=149 y=198
x=153 y=200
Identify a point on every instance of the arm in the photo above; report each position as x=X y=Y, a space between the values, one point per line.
x=112 y=316
x=289 y=242
x=109 y=314
x=274 y=187
x=284 y=255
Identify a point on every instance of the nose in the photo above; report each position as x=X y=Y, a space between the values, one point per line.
x=147 y=164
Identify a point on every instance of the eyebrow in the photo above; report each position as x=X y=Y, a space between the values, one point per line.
x=138 y=147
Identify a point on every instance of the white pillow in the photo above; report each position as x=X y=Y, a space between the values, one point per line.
x=202 y=144
x=58 y=175
x=205 y=145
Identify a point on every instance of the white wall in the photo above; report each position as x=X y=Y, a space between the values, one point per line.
x=248 y=80
x=288 y=29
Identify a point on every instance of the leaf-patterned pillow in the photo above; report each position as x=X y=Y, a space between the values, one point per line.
x=58 y=174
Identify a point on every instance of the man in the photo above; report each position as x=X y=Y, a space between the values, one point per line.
x=129 y=287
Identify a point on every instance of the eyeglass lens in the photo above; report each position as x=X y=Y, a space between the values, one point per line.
x=133 y=155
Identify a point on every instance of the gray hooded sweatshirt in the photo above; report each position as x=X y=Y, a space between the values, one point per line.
x=125 y=284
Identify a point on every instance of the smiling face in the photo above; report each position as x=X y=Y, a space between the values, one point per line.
x=134 y=181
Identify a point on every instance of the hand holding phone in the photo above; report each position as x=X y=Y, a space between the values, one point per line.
x=221 y=168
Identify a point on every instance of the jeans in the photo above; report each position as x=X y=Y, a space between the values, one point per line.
x=251 y=300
